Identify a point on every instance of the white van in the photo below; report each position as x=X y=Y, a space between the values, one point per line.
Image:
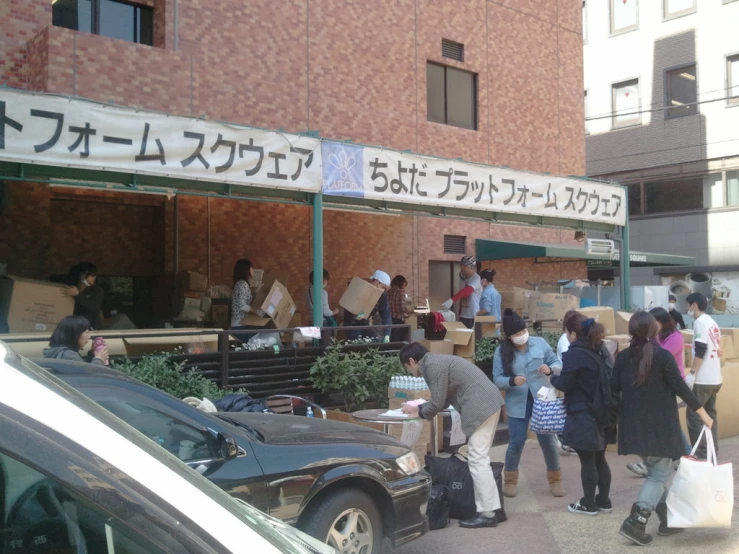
x=74 y=479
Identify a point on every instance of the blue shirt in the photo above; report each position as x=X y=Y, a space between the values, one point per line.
x=526 y=363
x=490 y=301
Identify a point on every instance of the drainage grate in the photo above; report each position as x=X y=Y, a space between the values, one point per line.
x=455 y=244
x=452 y=50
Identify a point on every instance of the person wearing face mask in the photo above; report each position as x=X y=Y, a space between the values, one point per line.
x=562 y=345
x=381 y=280
x=70 y=336
x=705 y=372
x=469 y=295
x=329 y=315
x=88 y=296
x=521 y=366
x=674 y=314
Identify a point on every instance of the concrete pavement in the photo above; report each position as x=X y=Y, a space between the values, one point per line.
x=539 y=523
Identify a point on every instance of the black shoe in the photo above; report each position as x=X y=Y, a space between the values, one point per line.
x=604 y=507
x=579 y=508
x=478 y=522
x=500 y=516
x=664 y=530
x=634 y=527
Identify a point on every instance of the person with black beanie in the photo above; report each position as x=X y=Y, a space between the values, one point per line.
x=521 y=366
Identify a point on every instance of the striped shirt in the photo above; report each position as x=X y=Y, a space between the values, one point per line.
x=459 y=382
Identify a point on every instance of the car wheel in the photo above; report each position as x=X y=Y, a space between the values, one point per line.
x=347 y=520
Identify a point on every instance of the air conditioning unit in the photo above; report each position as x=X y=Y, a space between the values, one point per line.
x=599 y=246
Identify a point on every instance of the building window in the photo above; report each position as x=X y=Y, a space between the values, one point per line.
x=451 y=96
x=677 y=8
x=109 y=18
x=624 y=16
x=732 y=188
x=682 y=92
x=584 y=21
x=626 y=104
x=732 y=79
x=674 y=195
x=634 y=199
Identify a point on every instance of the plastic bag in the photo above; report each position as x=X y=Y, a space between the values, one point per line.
x=438 y=508
x=454 y=473
x=263 y=340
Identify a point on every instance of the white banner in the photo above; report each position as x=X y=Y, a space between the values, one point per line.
x=50 y=130
x=366 y=172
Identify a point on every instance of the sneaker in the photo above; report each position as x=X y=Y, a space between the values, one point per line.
x=605 y=507
x=639 y=468
x=578 y=508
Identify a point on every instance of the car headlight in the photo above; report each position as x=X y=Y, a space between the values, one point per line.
x=409 y=463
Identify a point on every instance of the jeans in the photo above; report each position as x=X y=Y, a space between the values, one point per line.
x=594 y=472
x=517 y=428
x=483 y=479
x=654 y=489
x=706 y=395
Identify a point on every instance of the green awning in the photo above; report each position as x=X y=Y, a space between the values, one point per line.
x=487 y=249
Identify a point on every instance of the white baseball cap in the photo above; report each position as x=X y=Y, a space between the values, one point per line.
x=381 y=276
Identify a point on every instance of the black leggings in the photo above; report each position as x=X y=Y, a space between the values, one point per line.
x=594 y=472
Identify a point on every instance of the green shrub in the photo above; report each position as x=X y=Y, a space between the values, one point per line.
x=485 y=349
x=362 y=377
x=159 y=371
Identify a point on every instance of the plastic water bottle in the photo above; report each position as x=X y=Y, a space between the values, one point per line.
x=309 y=413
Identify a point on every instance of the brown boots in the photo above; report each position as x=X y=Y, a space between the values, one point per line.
x=555 y=483
x=510 y=483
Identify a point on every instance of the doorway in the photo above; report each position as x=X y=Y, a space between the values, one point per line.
x=444 y=282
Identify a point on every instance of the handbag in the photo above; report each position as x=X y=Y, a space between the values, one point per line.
x=548 y=417
x=702 y=492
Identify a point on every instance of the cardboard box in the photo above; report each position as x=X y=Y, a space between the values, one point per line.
x=360 y=298
x=31 y=306
x=688 y=352
x=463 y=338
x=276 y=302
x=517 y=300
x=488 y=324
x=192 y=281
x=732 y=332
x=603 y=315
x=219 y=316
x=194 y=344
x=439 y=346
x=622 y=341
x=551 y=306
x=727 y=348
x=622 y=322
x=398 y=397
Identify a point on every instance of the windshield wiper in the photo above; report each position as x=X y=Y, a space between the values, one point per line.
x=256 y=434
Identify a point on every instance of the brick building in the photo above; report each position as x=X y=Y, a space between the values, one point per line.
x=496 y=82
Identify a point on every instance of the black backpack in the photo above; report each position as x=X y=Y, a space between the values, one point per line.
x=606 y=405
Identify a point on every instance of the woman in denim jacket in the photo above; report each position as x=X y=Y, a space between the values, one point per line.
x=521 y=366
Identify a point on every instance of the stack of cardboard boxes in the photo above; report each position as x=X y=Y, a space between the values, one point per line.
x=192 y=304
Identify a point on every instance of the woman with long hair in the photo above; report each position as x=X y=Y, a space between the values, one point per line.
x=649 y=380
x=241 y=298
x=579 y=379
x=70 y=336
x=521 y=366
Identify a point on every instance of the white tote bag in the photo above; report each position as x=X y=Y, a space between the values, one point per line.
x=702 y=492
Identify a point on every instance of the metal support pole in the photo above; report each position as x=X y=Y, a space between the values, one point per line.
x=318 y=260
x=625 y=262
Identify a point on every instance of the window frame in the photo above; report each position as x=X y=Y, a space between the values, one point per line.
x=667 y=92
x=731 y=101
x=95 y=11
x=638 y=119
x=726 y=188
x=616 y=32
x=475 y=97
x=666 y=16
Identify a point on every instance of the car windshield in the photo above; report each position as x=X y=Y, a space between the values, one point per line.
x=247 y=515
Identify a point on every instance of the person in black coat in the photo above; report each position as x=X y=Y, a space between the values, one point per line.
x=88 y=295
x=648 y=378
x=676 y=316
x=578 y=380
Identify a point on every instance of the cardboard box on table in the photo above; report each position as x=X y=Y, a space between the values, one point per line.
x=622 y=320
x=603 y=315
x=193 y=344
x=488 y=324
x=439 y=346
x=275 y=301
x=621 y=340
x=31 y=306
x=360 y=298
x=551 y=306
x=463 y=338
x=517 y=300
x=192 y=281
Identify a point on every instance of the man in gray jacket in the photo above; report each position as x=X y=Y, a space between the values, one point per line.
x=456 y=381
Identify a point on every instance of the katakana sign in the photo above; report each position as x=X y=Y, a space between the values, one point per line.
x=367 y=172
x=50 y=130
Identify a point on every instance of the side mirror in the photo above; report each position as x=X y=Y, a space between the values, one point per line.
x=227 y=446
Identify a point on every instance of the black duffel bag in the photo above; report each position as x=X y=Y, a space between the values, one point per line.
x=236 y=402
x=438 y=510
x=454 y=474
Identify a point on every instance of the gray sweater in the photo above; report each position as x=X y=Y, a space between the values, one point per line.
x=66 y=353
x=459 y=382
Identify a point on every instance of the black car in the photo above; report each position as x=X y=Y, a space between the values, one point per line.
x=343 y=484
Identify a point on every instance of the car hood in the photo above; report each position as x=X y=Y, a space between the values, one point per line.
x=287 y=430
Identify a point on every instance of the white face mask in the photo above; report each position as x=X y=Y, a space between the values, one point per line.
x=520 y=340
x=671 y=306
